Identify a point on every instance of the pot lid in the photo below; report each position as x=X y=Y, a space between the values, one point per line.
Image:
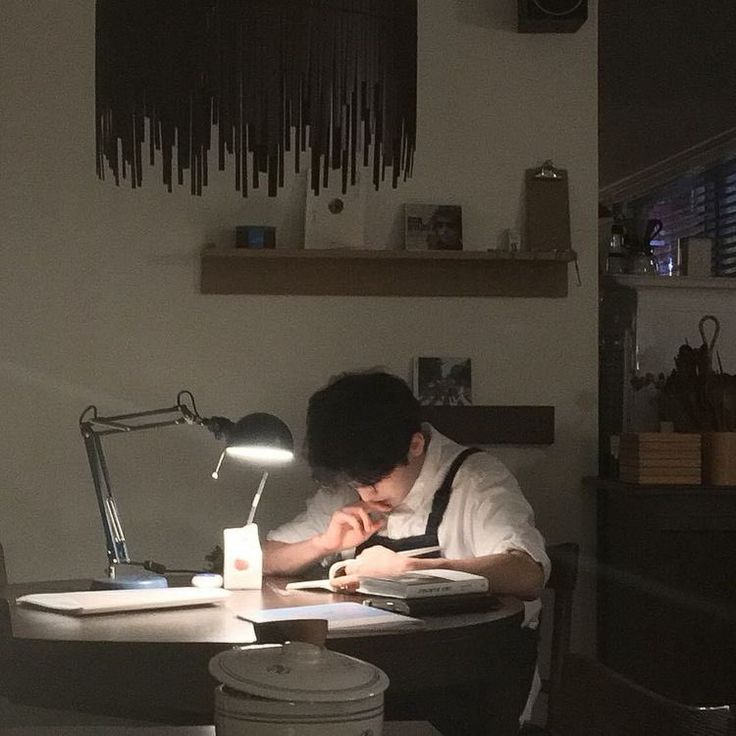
x=297 y=671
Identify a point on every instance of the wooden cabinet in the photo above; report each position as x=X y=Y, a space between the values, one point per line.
x=667 y=588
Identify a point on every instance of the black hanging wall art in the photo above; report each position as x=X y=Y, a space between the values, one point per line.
x=333 y=81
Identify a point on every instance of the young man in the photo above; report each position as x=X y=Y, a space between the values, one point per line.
x=391 y=483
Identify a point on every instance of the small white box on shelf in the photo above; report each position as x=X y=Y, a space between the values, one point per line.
x=695 y=257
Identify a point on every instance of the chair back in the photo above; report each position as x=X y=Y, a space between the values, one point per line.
x=562 y=581
x=6 y=634
x=593 y=699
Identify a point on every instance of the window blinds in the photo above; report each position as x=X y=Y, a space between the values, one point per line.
x=704 y=204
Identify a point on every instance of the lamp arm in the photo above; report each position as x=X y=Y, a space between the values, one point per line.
x=94 y=427
x=117 y=550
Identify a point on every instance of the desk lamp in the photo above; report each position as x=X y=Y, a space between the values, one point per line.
x=256 y=438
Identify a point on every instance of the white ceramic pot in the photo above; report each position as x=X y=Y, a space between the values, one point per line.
x=296 y=689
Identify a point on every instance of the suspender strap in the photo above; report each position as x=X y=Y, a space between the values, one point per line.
x=442 y=496
x=439 y=505
x=400 y=545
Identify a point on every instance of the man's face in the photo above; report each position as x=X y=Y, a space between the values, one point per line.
x=446 y=230
x=389 y=492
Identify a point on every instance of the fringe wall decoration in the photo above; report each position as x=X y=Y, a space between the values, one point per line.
x=336 y=78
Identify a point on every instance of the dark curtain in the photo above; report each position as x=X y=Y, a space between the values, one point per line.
x=337 y=76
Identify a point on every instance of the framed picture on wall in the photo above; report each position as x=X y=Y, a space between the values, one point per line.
x=334 y=219
x=433 y=227
x=443 y=381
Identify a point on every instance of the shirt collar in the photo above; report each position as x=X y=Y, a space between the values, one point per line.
x=427 y=479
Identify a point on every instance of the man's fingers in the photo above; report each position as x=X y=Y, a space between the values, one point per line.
x=379 y=523
x=358 y=519
x=367 y=521
x=346 y=583
x=349 y=519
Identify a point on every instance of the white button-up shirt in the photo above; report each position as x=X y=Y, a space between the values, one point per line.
x=487 y=512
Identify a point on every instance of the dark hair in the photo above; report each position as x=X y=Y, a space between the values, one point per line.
x=449 y=213
x=359 y=428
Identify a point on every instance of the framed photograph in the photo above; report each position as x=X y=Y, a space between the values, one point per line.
x=255 y=236
x=443 y=381
x=433 y=227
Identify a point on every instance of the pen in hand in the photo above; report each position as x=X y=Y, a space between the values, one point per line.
x=419 y=551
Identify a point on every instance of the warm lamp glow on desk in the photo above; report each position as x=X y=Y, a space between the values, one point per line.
x=256 y=438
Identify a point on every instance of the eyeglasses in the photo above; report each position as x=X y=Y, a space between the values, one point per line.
x=355 y=485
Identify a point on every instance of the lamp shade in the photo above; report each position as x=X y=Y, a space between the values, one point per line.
x=337 y=78
x=260 y=437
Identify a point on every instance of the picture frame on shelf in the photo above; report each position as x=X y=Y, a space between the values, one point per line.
x=255 y=236
x=433 y=227
x=336 y=219
x=442 y=381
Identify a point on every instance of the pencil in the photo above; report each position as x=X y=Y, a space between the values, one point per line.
x=419 y=551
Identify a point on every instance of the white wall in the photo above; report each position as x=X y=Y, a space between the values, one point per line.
x=100 y=301
x=668 y=317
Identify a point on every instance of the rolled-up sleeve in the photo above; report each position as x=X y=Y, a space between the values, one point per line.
x=314 y=519
x=498 y=518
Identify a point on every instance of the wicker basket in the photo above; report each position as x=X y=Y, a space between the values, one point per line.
x=658 y=458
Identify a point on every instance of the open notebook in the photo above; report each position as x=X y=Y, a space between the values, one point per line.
x=337 y=570
x=86 y=602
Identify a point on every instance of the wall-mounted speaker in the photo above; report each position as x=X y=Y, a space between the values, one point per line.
x=552 y=16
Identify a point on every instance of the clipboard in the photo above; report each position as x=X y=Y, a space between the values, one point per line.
x=547 y=209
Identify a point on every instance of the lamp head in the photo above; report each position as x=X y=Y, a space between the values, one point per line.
x=260 y=437
x=256 y=437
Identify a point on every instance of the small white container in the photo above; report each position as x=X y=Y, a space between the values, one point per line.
x=243 y=558
x=296 y=688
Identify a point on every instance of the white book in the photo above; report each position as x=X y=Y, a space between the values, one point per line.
x=86 y=602
x=339 y=616
x=337 y=570
x=425 y=584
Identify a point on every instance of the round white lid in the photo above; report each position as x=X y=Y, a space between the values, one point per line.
x=297 y=671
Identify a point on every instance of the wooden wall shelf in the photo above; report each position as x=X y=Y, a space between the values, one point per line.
x=384 y=272
x=494 y=425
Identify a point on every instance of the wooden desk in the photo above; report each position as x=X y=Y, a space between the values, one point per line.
x=458 y=672
x=395 y=728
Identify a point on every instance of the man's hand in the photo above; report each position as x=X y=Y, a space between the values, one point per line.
x=348 y=527
x=376 y=561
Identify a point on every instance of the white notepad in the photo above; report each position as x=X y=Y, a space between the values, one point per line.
x=86 y=602
x=340 y=616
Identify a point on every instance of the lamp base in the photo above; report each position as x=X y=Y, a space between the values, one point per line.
x=130 y=582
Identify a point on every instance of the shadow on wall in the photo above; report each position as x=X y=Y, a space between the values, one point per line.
x=500 y=15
